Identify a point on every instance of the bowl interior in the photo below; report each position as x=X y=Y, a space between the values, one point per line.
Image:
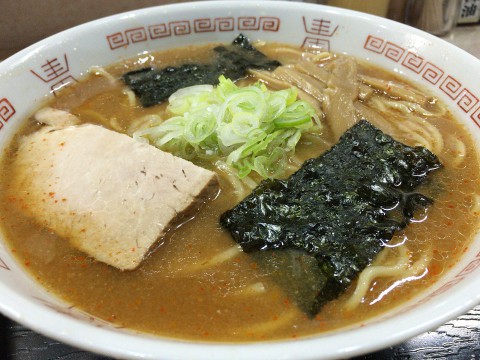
x=36 y=74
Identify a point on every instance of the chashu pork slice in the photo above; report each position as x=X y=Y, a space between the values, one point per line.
x=110 y=195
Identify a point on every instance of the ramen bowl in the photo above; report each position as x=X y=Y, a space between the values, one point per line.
x=38 y=73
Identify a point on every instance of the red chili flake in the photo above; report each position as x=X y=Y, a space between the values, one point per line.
x=435 y=269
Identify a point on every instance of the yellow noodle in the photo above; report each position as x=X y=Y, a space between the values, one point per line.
x=216 y=260
x=458 y=151
x=269 y=80
x=295 y=55
x=249 y=182
x=143 y=123
x=426 y=131
x=313 y=70
x=222 y=257
x=252 y=289
x=322 y=56
x=100 y=71
x=413 y=131
x=316 y=140
x=365 y=92
x=376 y=118
x=378 y=104
x=288 y=55
x=115 y=125
x=394 y=89
x=278 y=84
x=296 y=160
x=475 y=207
x=131 y=98
x=230 y=176
x=265 y=327
x=99 y=118
x=415 y=272
x=302 y=81
x=435 y=135
x=400 y=270
x=374 y=271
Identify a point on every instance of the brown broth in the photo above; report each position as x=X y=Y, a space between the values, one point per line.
x=172 y=294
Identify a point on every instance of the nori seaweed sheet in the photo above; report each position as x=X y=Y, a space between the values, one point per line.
x=153 y=86
x=341 y=208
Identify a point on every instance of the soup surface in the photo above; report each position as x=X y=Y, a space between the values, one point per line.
x=196 y=284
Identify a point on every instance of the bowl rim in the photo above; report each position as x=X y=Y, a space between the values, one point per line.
x=127 y=345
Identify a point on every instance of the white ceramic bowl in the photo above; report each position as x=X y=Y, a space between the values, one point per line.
x=30 y=77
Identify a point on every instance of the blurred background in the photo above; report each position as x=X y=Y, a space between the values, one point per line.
x=24 y=22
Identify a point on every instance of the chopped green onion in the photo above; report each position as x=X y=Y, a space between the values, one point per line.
x=249 y=128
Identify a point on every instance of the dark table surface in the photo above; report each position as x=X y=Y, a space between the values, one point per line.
x=457 y=339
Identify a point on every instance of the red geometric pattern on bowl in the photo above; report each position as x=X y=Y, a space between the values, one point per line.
x=316 y=42
x=413 y=62
x=467 y=101
x=446 y=286
x=4 y=265
x=322 y=29
x=261 y=23
x=432 y=73
x=71 y=311
x=184 y=27
x=471 y=267
x=212 y=25
x=6 y=110
x=451 y=87
x=393 y=52
x=428 y=71
x=136 y=35
x=476 y=116
x=55 y=72
x=158 y=31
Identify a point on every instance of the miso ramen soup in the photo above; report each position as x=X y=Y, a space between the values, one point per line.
x=197 y=283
